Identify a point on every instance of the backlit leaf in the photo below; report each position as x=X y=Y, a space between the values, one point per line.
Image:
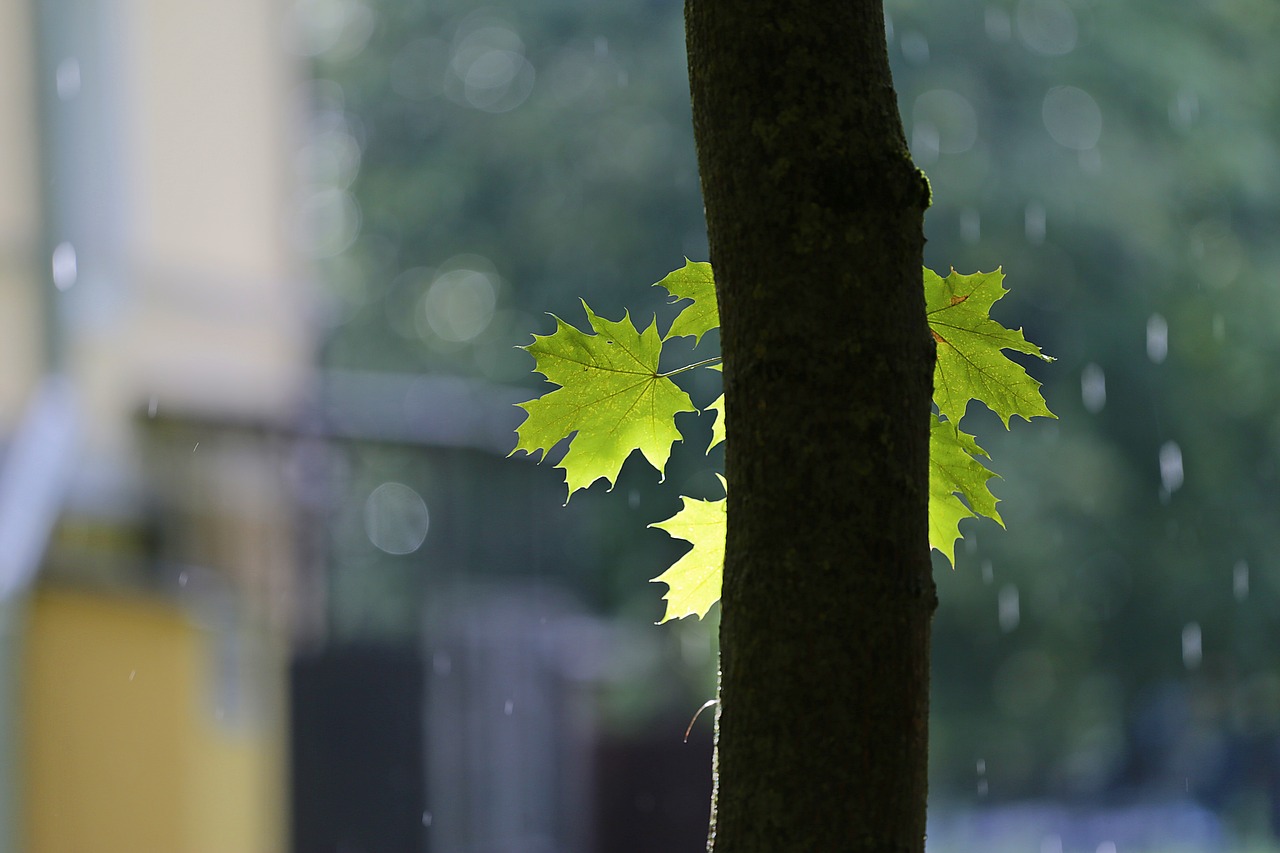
x=610 y=394
x=693 y=281
x=694 y=579
x=954 y=469
x=971 y=364
x=612 y=400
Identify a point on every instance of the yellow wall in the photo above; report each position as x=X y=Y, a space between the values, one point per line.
x=125 y=751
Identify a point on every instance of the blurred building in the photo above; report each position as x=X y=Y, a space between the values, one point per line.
x=154 y=338
x=223 y=626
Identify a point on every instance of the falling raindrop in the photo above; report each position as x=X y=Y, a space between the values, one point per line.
x=153 y=406
x=982 y=766
x=1157 y=339
x=633 y=499
x=1008 y=608
x=1192 y=650
x=67 y=78
x=888 y=27
x=982 y=787
x=1219 y=328
x=132 y=674
x=65 y=268
x=1240 y=580
x=1107 y=847
x=182 y=578
x=426 y=818
x=1033 y=222
x=1093 y=388
x=970 y=225
x=1051 y=844
x=508 y=707
x=1170 y=467
x=988 y=573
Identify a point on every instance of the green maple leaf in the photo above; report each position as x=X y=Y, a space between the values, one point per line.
x=694 y=580
x=717 y=427
x=954 y=469
x=692 y=281
x=611 y=394
x=612 y=401
x=970 y=362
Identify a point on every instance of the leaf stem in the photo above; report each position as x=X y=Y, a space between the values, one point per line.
x=694 y=366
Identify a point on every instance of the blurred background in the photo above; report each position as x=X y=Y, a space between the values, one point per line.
x=268 y=581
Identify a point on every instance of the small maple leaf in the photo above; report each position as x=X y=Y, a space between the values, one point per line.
x=611 y=395
x=692 y=281
x=694 y=580
x=970 y=362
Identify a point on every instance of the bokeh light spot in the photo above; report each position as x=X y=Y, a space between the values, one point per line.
x=1072 y=117
x=1047 y=27
x=951 y=115
x=460 y=303
x=396 y=519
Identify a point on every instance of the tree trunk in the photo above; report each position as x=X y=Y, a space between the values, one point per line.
x=815 y=219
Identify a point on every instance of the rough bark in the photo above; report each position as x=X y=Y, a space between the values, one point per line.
x=815 y=218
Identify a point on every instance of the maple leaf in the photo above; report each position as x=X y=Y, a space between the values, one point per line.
x=612 y=401
x=692 y=281
x=970 y=362
x=611 y=394
x=954 y=469
x=693 y=581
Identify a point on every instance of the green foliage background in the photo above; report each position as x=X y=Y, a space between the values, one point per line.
x=1148 y=204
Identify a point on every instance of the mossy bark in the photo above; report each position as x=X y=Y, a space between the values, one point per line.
x=815 y=217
